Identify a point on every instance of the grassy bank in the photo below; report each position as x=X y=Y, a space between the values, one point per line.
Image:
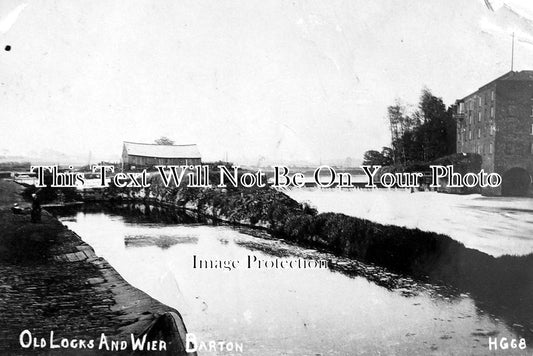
x=401 y=249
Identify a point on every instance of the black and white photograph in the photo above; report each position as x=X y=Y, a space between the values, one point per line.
x=266 y=178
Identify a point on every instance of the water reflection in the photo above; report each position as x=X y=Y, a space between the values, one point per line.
x=162 y=241
x=339 y=311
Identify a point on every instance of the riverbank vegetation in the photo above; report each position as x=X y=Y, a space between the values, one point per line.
x=401 y=249
x=418 y=136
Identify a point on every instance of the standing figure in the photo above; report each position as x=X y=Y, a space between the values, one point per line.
x=35 y=208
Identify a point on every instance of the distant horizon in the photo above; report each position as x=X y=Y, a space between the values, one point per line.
x=341 y=162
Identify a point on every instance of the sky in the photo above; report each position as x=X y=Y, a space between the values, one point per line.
x=278 y=81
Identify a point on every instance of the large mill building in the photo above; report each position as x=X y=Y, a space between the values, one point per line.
x=496 y=122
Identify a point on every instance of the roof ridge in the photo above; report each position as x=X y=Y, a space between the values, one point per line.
x=505 y=76
x=155 y=144
x=161 y=151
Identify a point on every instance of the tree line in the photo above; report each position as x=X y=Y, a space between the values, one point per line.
x=418 y=137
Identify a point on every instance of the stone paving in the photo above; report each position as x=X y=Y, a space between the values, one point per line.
x=50 y=280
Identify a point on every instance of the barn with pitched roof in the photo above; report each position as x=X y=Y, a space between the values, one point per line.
x=146 y=155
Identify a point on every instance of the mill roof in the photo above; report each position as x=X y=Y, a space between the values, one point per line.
x=522 y=75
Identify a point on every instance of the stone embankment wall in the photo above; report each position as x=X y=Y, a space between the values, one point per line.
x=53 y=282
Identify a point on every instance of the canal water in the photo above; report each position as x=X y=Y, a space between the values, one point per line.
x=337 y=311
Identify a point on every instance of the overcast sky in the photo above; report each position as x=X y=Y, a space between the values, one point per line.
x=287 y=80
